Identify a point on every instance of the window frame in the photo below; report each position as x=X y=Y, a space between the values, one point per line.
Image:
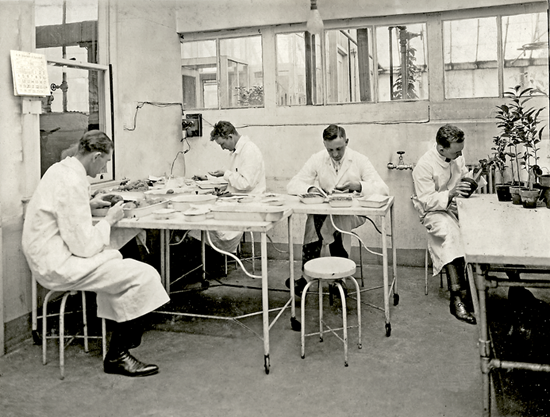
x=498 y=12
x=217 y=37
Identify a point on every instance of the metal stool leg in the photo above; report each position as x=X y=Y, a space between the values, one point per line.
x=303 y=318
x=103 y=337
x=320 y=310
x=62 y=334
x=344 y=320
x=45 y=326
x=84 y=321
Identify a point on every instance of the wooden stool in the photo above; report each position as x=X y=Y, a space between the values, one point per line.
x=334 y=270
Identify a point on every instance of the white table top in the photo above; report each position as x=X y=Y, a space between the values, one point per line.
x=297 y=206
x=178 y=222
x=502 y=233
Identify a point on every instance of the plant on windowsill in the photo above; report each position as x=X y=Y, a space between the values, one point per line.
x=250 y=97
x=519 y=126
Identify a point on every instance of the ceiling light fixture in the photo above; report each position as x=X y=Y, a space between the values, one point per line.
x=314 y=23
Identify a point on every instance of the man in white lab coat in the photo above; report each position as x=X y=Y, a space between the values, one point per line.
x=66 y=251
x=335 y=168
x=246 y=174
x=437 y=182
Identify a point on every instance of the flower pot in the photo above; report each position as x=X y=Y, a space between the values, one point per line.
x=529 y=198
x=546 y=193
x=472 y=183
x=514 y=190
x=544 y=180
x=503 y=192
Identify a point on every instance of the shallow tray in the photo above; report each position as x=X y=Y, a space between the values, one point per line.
x=248 y=212
x=144 y=211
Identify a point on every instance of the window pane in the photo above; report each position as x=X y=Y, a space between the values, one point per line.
x=241 y=72
x=296 y=84
x=525 y=44
x=199 y=72
x=68 y=30
x=470 y=58
x=401 y=53
x=349 y=65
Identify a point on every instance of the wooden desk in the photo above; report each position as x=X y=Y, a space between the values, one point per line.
x=504 y=237
x=386 y=215
x=178 y=222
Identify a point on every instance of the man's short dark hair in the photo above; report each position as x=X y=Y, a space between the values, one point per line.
x=222 y=129
x=333 y=132
x=94 y=141
x=448 y=134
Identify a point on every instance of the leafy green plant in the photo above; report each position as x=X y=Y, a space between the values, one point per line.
x=520 y=130
x=251 y=97
x=399 y=91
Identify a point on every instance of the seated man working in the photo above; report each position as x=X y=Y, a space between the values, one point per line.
x=246 y=174
x=437 y=182
x=65 y=251
x=335 y=168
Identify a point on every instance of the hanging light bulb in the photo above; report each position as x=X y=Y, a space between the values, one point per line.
x=314 y=23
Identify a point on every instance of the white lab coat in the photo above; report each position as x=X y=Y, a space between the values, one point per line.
x=319 y=171
x=65 y=251
x=246 y=174
x=433 y=178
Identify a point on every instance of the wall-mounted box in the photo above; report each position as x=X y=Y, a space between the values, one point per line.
x=196 y=128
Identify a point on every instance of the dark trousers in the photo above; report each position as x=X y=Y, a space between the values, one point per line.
x=125 y=335
x=313 y=250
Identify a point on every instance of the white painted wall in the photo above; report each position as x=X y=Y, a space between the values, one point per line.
x=19 y=160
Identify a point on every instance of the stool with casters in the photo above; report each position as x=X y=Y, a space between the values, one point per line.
x=63 y=338
x=333 y=270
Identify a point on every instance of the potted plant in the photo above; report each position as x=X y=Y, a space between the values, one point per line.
x=520 y=130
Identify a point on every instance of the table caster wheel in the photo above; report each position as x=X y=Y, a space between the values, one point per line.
x=395 y=299
x=266 y=364
x=295 y=324
x=388 y=329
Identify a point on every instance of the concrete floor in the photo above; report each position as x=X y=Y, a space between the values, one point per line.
x=428 y=367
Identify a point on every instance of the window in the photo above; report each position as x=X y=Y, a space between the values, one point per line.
x=66 y=33
x=298 y=69
x=349 y=64
x=470 y=58
x=525 y=45
x=350 y=58
x=402 y=62
x=472 y=63
x=232 y=78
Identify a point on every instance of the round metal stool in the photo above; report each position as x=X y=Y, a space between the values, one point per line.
x=334 y=270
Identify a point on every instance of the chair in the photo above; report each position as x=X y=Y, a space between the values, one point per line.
x=61 y=337
x=334 y=270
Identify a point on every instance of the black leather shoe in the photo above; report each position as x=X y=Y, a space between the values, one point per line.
x=299 y=285
x=458 y=309
x=129 y=366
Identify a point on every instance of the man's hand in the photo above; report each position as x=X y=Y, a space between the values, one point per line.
x=218 y=173
x=461 y=189
x=350 y=186
x=316 y=190
x=98 y=202
x=115 y=213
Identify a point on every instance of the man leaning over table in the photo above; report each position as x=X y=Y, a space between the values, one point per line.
x=437 y=182
x=66 y=251
x=340 y=168
x=246 y=174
